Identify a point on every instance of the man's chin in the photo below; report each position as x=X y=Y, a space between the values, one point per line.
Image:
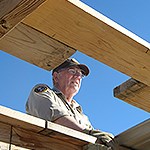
x=75 y=88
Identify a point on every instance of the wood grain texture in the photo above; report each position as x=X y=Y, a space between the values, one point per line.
x=17 y=128
x=5 y=146
x=13 y=11
x=136 y=137
x=22 y=120
x=34 y=133
x=5 y=8
x=32 y=140
x=88 y=31
x=73 y=136
x=34 y=47
x=134 y=93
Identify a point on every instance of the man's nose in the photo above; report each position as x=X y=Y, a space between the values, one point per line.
x=78 y=75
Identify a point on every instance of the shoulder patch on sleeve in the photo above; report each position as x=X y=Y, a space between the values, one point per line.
x=40 y=89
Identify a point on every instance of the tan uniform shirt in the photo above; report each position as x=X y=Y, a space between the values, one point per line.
x=50 y=104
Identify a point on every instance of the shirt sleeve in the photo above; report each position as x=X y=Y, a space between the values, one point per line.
x=43 y=103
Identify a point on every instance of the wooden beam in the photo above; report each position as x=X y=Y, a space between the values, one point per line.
x=134 y=93
x=32 y=140
x=34 y=133
x=137 y=137
x=13 y=11
x=6 y=146
x=30 y=132
x=35 y=47
x=62 y=133
x=15 y=118
x=79 y=26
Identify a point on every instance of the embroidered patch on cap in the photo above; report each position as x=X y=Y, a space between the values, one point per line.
x=40 y=89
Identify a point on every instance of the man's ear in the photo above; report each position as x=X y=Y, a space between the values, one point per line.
x=55 y=76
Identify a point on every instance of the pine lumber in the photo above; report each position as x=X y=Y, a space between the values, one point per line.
x=134 y=93
x=81 y=27
x=55 y=30
x=77 y=25
x=30 y=132
x=15 y=118
x=6 y=146
x=21 y=130
x=35 y=47
x=136 y=137
x=13 y=11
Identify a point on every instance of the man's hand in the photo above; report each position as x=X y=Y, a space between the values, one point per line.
x=96 y=147
x=104 y=138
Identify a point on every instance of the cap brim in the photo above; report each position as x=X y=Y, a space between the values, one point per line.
x=84 y=68
x=73 y=62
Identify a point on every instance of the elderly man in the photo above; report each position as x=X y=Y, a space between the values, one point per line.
x=57 y=104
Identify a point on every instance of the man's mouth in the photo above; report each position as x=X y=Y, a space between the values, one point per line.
x=75 y=83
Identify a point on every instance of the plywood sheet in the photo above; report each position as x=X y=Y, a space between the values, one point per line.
x=79 y=26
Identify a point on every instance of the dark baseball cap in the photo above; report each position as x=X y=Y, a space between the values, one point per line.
x=72 y=62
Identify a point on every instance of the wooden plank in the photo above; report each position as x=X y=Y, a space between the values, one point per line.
x=124 y=148
x=34 y=47
x=75 y=24
x=134 y=93
x=5 y=131
x=30 y=132
x=38 y=141
x=22 y=120
x=17 y=128
x=5 y=146
x=8 y=136
x=137 y=137
x=33 y=140
x=5 y=8
x=13 y=11
x=73 y=136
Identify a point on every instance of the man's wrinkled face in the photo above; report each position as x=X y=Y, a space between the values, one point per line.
x=69 y=79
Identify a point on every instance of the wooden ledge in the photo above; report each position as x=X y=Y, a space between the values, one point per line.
x=34 y=133
x=30 y=132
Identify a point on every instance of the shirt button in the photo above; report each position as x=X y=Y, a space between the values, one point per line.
x=79 y=121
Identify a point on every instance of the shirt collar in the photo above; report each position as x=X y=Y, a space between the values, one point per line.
x=57 y=91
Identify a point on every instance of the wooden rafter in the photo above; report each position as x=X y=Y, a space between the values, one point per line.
x=135 y=93
x=13 y=11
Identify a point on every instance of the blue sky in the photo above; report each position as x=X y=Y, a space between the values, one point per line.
x=106 y=113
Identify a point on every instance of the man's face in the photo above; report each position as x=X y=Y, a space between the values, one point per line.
x=69 y=79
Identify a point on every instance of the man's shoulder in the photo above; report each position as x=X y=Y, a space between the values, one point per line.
x=39 y=88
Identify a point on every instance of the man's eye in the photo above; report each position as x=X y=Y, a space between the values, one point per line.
x=72 y=71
